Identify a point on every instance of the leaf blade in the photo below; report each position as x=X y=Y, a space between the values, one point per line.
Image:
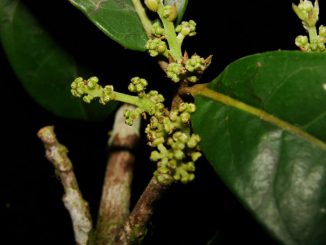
x=271 y=169
x=43 y=67
x=117 y=19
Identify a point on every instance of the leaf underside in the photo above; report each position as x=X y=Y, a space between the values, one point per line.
x=275 y=172
x=44 y=68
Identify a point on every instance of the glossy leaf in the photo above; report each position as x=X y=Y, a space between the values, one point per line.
x=44 y=68
x=270 y=150
x=117 y=19
x=181 y=6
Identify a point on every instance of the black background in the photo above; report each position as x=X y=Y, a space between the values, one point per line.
x=31 y=211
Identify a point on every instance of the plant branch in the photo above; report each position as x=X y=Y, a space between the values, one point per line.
x=72 y=199
x=147 y=24
x=135 y=228
x=114 y=206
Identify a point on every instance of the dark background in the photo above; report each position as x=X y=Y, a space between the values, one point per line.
x=31 y=210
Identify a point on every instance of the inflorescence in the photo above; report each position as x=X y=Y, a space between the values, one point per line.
x=163 y=43
x=309 y=14
x=176 y=148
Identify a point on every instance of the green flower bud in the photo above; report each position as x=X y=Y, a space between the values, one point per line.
x=307 y=12
x=302 y=42
x=195 y=63
x=155 y=47
x=183 y=107
x=191 y=177
x=170 y=12
x=191 y=107
x=195 y=156
x=168 y=126
x=155 y=156
x=185 y=117
x=322 y=31
x=91 y=82
x=157 y=141
x=192 y=79
x=172 y=164
x=157 y=29
x=190 y=166
x=179 y=155
x=163 y=170
x=164 y=179
x=173 y=116
x=193 y=141
x=154 y=122
x=187 y=28
x=152 y=5
x=87 y=98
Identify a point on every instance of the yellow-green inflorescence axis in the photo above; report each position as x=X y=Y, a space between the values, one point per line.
x=309 y=15
x=167 y=41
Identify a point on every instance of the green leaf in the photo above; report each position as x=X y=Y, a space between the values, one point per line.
x=266 y=139
x=44 y=68
x=116 y=18
x=181 y=6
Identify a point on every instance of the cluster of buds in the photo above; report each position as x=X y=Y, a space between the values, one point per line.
x=189 y=69
x=168 y=12
x=186 y=28
x=157 y=30
x=176 y=147
x=151 y=102
x=90 y=89
x=156 y=47
x=308 y=14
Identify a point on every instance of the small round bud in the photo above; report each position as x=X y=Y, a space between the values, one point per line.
x=191 y=107
x=157 y=30
x=179 y=155
x=190 y=166
x=185 y=117
x=173 y=116
x=87 y=98
x=155 y=47
x=155 y=156
x=193 y=141
x=170 y=12
x=192 y=79
x=182 y=107
x=187 y=28
x=195 y=156
x=322 y=31
x=152 y=5
x=195 y=63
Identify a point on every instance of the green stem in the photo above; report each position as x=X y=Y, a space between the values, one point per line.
x=142 y=103
x=313 y=36
x=201 y=89
x=147 y=24
x=170 y=35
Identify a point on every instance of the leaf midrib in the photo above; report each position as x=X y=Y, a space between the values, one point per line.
x=203 y=90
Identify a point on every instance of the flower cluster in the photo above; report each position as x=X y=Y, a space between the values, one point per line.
x=176 y=147
x=186 y=28
x=90 y=89
x=189 y=69
x=308 y=13
x=156 y=47
x=151 y=102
